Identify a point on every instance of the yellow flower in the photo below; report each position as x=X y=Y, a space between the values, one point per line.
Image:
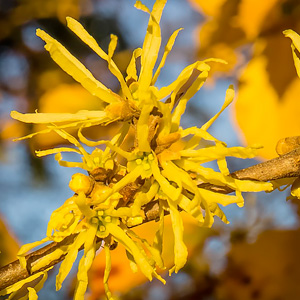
x=163 y=165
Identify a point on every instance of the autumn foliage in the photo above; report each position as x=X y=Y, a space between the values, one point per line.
x=249 y=35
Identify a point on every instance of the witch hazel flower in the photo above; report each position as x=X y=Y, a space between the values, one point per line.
x=163 y=165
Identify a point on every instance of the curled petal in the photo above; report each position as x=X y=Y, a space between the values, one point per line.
x=46 y=118
x=76 y=69
x=295 y=47
x=168 y=49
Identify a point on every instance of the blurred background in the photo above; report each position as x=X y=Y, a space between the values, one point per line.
x=256 y=255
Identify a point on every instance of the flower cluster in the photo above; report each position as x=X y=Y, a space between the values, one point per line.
x=163 y=166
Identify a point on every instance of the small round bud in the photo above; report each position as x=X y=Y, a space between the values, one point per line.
x=287 y=144
x=81 y=183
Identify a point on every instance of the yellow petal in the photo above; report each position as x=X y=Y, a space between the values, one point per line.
x=216 y=152
x=25 y=248
x=199 y=134
x=48 y=259
x=180 y=249
x=74 y=141
x=69 y=164
x=168 y=189
x=182 y=79
x=168 y=48
x=224 y=200
x=211 y=176
x=85 y=209
x=222 y=164
x=107 y=272
x=142 y=128
x=154 y=254
x=40 y=153
x=170 y=170
x=295 y=47
x=151 y=45
x=42 y=118
x=130 y=177
x=172 y=174
x=133 y=265
x=109 y=144
x=216 y=211
x=194 y=211
x=192 y=90
x=139 y=5
x=76 y=69
x=228 y=99
x=70 y=258
x=114 y=69
x=295 y=189
x=158 y=239
x=131 y=69
x=158 y=8
x=86 y=262
x=18 y=285
x=121 y=237
x=79 y=30
x=32 y=294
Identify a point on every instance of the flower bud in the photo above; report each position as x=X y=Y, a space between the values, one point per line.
x=287 y=144
x=81 y=183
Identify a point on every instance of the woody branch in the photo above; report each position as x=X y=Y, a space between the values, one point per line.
x=285 y=166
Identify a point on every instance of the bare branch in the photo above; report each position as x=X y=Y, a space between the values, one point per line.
x=285 y=166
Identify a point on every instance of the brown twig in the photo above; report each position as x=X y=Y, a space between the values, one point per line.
x=13 y=272
x=285 y=166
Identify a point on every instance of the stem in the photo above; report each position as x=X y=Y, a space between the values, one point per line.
x=285 y=166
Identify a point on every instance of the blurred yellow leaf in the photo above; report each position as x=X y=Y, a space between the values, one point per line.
x=267 y=269
x=266 y=114
x=210 y=8
x=257 y=107
x=219 y=36
x=12 y=129
x=8 y=245
x=252 y=15
x=266 y=107
x=64 y=98
x=35 y=9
